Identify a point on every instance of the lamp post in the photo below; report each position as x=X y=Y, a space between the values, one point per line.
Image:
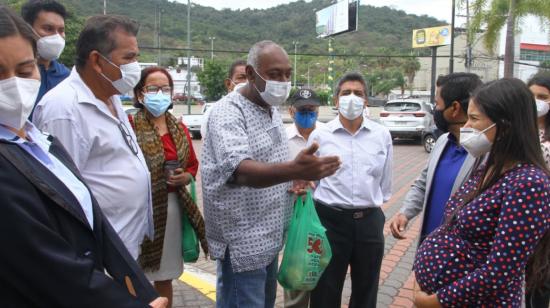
x=188 y=56
x=212 y=38
x=159 y=56
x=104 y=7
x=451 y=57
x=295 y=67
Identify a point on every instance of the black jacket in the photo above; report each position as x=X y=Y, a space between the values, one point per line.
x=49 y=255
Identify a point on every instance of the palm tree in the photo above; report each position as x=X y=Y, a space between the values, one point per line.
x=410 y=66
x=494 y=14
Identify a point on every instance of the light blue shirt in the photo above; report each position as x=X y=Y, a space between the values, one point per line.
x=365 y=176
x=38 y=147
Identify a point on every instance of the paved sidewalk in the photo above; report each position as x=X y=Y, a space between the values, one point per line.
x=396 y=281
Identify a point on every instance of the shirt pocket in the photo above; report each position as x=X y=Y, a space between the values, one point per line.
x=372 y=163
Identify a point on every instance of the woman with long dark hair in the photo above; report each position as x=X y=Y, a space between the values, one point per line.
x=477 y=258
x=540 y=87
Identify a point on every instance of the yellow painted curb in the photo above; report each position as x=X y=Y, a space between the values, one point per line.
x=200 y=285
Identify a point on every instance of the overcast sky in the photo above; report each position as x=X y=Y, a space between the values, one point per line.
x=437 y=8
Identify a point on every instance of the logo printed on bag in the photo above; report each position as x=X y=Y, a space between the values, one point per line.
x=314 y=242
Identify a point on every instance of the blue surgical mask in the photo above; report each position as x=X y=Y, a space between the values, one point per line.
x=305 y=119
x=157 y=103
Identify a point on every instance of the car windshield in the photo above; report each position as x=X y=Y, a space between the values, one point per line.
x=402 y=106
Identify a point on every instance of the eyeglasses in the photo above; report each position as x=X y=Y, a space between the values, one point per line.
x=128 y=138
x=154 y=90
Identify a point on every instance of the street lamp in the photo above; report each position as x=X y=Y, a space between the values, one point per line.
x=295 y=67
x=188 y=56
x=104 y=7
x=212 y=38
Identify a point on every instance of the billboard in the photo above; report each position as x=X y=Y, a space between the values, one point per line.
x=431 y=37
x=338 y=18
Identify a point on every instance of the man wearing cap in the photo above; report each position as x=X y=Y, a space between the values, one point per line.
x=304 y=110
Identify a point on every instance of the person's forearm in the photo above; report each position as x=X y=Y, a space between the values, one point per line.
x=260 y=175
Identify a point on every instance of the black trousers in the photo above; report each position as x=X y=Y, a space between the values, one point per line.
x=357 y=240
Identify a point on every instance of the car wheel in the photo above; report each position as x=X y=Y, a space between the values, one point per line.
x=428 y=142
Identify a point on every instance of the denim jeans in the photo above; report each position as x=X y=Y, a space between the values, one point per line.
x=252 y=289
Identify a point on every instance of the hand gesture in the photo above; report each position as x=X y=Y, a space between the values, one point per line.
x=313 y=168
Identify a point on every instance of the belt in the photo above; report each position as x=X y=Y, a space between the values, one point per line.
x=354 y=213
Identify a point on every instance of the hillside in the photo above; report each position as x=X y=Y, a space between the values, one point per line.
x=379 y=27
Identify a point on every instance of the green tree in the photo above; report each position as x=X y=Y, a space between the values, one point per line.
x=73 y=26
x=211 y=79
x=410 y=66
x=495 y=14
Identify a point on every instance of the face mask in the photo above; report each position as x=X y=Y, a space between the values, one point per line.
x=305 y=119
x=130 y=73
x=50 y=47
x=17 y=97
x=351 y=106
x=440 y=121
x=157 y=103
x=474 y=141
x=276 y=92
x=238 y=86
x=542 y=108
x=366 y=112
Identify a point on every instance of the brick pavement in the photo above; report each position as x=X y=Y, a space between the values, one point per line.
x=396 y=281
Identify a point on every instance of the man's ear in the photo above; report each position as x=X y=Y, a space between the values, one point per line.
x=227 y=84
x=457 y=109
x=250 y=73
x=93 y=61
x=335 y=101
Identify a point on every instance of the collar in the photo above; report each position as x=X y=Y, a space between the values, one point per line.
x=292 y=132
x=84 y=94
x=53 y=68
x=336 y=124
x=10 y=136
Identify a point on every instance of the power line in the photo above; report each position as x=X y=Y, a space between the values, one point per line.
x=355 y=55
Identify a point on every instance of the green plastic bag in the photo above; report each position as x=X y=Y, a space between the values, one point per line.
x=189 y=238
x=307 y=250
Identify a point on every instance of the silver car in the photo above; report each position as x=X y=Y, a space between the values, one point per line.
x=407 y=118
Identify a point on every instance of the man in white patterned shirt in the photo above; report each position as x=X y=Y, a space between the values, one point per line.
x=348 y=202
x=245 y=178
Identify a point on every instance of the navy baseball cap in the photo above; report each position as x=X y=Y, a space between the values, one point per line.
x=304 y=97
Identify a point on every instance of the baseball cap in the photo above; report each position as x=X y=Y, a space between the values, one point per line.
x=304 y=97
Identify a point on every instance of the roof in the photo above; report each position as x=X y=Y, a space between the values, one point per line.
x=535 y=47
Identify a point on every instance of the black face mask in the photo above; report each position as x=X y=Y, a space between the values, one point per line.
x=440 y=121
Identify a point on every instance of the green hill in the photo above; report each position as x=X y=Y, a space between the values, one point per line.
x=379 y=27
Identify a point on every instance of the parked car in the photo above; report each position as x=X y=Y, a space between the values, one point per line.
x=407 y=118
x=194 y=121
x=429 y=137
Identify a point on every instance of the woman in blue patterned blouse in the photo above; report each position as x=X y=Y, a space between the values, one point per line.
x=492 y=225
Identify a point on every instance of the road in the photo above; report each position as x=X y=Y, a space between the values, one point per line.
x=396 y=283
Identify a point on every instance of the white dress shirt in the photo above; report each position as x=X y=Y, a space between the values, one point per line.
x=297 y=142
x=364 y=178
x=118 y=178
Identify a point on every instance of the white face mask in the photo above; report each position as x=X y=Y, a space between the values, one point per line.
x=474 y=141
x=130 y=73
x=17 y=97
x=276 y=92
x=50 y=47
x=351 y=106
x=542 y=108
x=238 y=86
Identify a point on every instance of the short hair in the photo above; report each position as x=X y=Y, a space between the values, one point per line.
x=257 y=50
x=141 y=83
x=458 y=87
x=31 y=9
x=352 y=76
x=12 y=25
x=234 y=66
x=98 y=34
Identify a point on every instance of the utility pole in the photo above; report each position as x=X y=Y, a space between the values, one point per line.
x=159 y=31
x=468 y=39
x=331 y=70
x=212 y=38
x=295 y=65
x=104 y=7
x=451 y=57
x=188 y=56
